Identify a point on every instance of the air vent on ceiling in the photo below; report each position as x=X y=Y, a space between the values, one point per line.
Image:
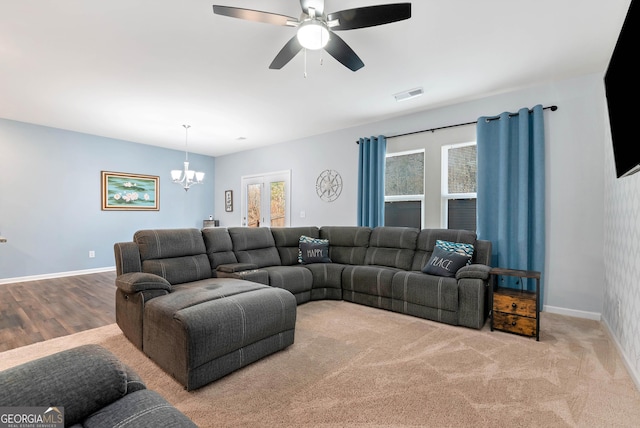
x=407 y=95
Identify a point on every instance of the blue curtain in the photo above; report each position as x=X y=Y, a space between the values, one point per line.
x=510 y=204
x=371 y=164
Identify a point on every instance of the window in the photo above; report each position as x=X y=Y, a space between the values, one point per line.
x=404 y=189
x=265 y=199
x=459 y=186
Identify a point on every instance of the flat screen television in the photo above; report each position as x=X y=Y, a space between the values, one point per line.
x=621 y=84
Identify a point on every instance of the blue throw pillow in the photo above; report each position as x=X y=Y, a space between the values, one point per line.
x=445 y=263
x=313 y=250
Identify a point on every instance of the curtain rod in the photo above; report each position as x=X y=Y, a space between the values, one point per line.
x=552 y=108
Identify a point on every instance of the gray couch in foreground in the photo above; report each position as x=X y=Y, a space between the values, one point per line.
x=92 y=387
x=203 y=303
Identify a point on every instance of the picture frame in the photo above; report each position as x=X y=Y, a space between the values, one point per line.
x=129 y=192
x=228 y=201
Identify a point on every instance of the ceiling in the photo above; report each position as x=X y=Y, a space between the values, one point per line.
x=139 y=70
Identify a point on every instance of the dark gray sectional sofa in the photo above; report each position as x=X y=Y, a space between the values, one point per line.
x=183 y=294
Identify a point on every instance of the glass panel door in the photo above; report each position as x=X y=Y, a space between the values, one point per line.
x=266 y=200
x=254 y=198
x=278 y=204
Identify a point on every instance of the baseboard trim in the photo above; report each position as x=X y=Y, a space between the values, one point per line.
x=56 y=275
x=596 y=316
x=625 y=359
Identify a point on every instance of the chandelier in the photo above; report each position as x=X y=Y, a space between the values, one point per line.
x=186 y=177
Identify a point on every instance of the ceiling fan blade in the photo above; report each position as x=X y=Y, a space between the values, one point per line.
x=369 y=16
x=286 y=54
x=255 y=15
x=318 y=5
x=338 y=49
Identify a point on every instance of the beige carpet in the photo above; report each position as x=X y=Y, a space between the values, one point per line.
x=354 y=366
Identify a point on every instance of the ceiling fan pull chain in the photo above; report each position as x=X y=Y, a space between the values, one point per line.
x=305 y=63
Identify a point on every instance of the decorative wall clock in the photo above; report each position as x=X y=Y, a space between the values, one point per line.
x=329 y=185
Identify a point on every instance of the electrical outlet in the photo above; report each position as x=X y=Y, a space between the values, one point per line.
x=92 y=254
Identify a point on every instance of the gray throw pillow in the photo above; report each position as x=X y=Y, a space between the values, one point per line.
x=314 y=252
x=445 y=263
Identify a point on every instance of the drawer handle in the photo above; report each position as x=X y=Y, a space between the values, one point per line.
x=513 y=305
x=513 y=323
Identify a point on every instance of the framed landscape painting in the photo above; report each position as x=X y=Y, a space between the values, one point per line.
x=122 y=191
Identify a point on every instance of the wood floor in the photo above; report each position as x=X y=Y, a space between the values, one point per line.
x=35 y=311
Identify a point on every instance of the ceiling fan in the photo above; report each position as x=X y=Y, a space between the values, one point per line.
x=316 y=29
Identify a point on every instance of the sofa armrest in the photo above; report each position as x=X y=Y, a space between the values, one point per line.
x=82 y=380
x=127 y=256
x=134 y=282
x=474 y=271
x=236 y=267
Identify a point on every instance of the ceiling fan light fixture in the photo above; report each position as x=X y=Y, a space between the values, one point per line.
x=313 y=34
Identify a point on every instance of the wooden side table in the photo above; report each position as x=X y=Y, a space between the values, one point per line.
x=516 y=311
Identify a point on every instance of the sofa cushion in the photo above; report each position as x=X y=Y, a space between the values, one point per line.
x=167 y=243
x=415 y=288
x=296 y=279
x=178 y=270
x=347 y=244
x=219 y=246
x=371 y=280
x=177 y=255
x=392 y=246
x=254 y=245
x=287 y=240
x=326 y=275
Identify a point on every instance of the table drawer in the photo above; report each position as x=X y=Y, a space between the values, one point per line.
x=514 y=323
x=515 y=303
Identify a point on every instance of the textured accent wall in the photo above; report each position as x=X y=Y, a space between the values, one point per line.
x=621 y=307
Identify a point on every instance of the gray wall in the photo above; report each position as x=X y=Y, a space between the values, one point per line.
x=50 y=208
x=574 y=276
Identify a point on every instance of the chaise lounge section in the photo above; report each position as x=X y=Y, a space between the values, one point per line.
x=196 y=327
